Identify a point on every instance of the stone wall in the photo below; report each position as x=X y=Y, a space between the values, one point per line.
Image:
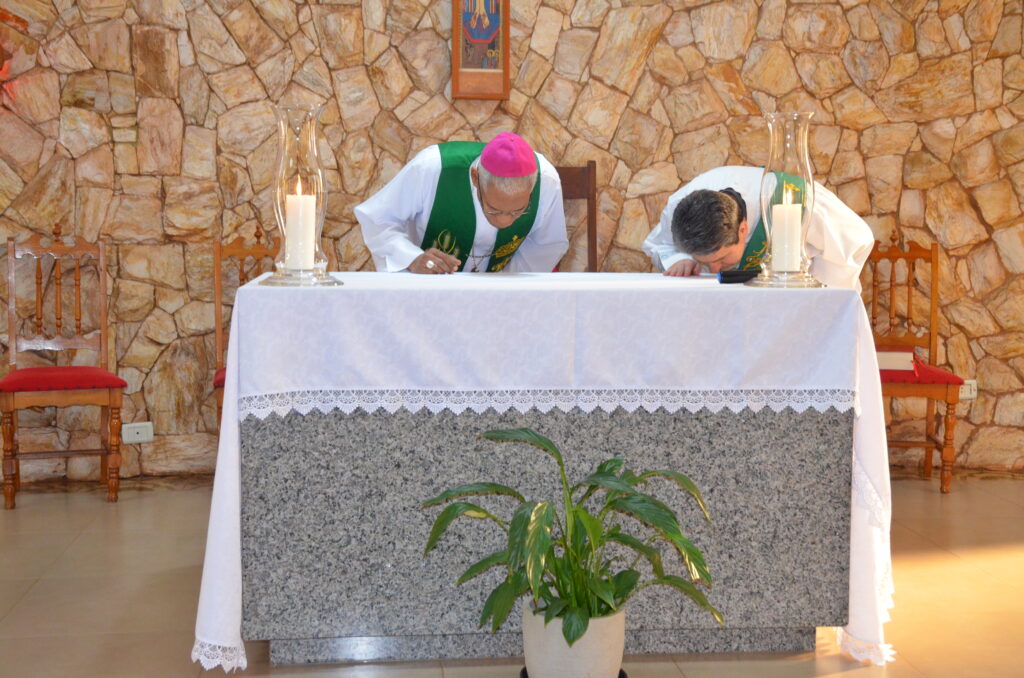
x=148 y=122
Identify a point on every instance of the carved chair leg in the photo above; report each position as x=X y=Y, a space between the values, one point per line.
x=929 y=435
x=114 y=454
x=220 y=406
x=9 y=463
x=947 y=449
x=104 y=441
x=17 y=462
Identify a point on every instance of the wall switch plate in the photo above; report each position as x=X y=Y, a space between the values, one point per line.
x=969 y=390
x=133 y=434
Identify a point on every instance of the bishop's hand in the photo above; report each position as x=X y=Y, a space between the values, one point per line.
x=435 y=261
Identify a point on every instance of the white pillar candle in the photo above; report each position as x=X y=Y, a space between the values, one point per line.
x=786 y=236
x=300 y=222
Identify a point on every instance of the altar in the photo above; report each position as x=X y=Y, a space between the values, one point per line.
x=345 y=408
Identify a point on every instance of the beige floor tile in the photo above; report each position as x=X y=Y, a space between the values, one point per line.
x=651 y=667
x=118 y=604
x=51 y=513
x=953 y=618
x=483 y=668
x=155 y=511
x=11 y=591
x=805 y=665
x=113 y=553
x=129 y=655
x=390 y=670
x=26 y=555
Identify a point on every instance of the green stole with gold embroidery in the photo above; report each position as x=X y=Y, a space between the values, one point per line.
x=758 y=242
x=452 y=224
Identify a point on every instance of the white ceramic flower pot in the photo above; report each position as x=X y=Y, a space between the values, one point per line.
x=598 y=654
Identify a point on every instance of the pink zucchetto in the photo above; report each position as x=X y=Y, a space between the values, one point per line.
x=508 y=155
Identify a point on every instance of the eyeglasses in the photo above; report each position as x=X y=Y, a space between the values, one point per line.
x=515 y=214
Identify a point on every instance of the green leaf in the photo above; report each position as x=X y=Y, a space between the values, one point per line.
x=574 y=624
x=647 y=510
x=649 y=552
x=623 y=583
x=683 y=482
x=603 y=589
x=450 y=513
x=608 y=481
x=592 y=526
x=689 y=590
x=488 y=609
x=517 y=530
x=553 y=609
x=613 y=465
x=499 y=603
x=525 y=435
x=472 y=489
x=538 y=541
x=692 y=557
x=499 y=558
x=503 y=605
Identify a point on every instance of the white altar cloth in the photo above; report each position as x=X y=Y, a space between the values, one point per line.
x=563 y=340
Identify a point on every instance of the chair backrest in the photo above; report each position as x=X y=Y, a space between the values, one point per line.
x=250 y=260
x=580 y=183
x=892 y=270
x=66 y=336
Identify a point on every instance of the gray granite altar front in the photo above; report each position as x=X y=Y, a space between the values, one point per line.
x=333 y=532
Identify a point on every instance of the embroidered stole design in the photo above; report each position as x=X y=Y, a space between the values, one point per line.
x=758 y=242
x=452 y=224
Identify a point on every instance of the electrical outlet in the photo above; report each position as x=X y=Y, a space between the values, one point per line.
x=133 y=434
x=969 y=390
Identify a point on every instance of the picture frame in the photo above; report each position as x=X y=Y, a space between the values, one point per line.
x=480 y=49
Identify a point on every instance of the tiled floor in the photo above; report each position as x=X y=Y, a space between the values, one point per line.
x=98 y=590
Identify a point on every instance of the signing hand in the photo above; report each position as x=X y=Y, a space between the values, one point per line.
x=684 y=267
x=434 y=261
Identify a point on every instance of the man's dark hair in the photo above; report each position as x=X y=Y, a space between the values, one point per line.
x=706 y=221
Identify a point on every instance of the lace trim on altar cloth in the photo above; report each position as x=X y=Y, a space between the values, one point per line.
x=225 y=656
x=545 y=400
x=876 y=653
x=869 y=498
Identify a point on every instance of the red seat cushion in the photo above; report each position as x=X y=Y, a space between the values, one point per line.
x=921 y=374
x=60 y=379
x=218 y=377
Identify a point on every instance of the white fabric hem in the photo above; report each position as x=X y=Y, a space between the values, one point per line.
x=876 y=653
x=227 y=657
x=413 y=400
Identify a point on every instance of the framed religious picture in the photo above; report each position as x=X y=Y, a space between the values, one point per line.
x=480 y=49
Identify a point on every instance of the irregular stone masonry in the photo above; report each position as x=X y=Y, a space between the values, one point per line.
x=148 y=122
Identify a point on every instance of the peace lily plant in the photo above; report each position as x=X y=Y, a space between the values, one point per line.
x=558 y=551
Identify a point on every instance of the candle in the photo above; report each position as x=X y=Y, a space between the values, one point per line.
x=786 y=237
x=300 y=222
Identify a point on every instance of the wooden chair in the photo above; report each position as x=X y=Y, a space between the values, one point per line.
x=60 y=386
x=580 y=183
x=250 y=261
x=899 y=331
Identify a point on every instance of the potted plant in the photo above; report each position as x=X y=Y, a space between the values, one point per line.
x=561 y=553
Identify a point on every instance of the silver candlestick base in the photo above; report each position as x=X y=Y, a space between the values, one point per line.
x=300 y=278
x=795 y=279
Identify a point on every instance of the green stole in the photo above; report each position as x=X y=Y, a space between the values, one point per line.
x=452 y=224
x=758 y=242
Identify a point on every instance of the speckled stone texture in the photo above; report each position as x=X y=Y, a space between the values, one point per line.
x=332 y=531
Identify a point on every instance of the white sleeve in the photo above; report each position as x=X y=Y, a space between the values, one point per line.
x=546 y=243
x=839 y=241
x=658 y=244
x=389 y=217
